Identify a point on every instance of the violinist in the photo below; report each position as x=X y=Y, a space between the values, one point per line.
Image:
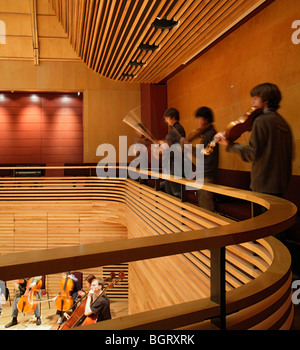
x=20 y=287
x=101 y=307
x=270 y=146
x=205 y=132
x=174 y=137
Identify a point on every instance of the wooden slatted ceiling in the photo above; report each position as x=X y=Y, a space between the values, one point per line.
x=107 y=34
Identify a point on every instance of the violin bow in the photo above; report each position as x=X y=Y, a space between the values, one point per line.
x=134 y=121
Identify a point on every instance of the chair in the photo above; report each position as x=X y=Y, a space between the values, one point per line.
x=79 y=276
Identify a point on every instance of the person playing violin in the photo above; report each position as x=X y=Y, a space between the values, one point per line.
x=174 y=136
x=205 y=133
x=20 y=287
x=101 y=306
x=270 y=146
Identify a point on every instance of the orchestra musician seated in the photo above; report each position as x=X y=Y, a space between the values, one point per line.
x=97 y=308
x=68 y=294
x=20 y=287
x=88 y=281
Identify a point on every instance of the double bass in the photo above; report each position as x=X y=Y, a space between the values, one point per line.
x=27 y=303
x=235 y=129
x=64 y=300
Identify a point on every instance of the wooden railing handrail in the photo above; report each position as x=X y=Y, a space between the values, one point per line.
x=279 y=216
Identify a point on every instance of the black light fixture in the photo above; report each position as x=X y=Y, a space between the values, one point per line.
x=125 y=75
x=148 y=47
x=163 y=23
x=136 y=63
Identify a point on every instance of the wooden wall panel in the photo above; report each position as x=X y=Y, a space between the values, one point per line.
x=44 y=225
x=41 y=128
x=154 y=104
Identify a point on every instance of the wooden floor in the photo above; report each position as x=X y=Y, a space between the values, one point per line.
x=49 y=317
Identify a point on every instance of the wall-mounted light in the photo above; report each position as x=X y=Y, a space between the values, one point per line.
x=34 y=98
x=65 y=99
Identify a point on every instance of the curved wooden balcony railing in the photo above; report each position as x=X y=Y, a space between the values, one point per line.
x=168 y=237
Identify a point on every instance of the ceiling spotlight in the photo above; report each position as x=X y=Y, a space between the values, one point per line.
x=148 y=47
x=136 y=63
x=164 y=23
x=125 y=75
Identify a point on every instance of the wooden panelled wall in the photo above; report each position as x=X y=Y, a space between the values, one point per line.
x=26 y=226
x=37 y=128
x=260 y=50
x=105 y=102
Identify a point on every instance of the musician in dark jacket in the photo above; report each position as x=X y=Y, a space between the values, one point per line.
x=270 y=147
x=204 y=134
x=95 y=305
x=174 y=137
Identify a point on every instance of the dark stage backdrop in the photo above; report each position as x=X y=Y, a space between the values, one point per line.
x=41 y=128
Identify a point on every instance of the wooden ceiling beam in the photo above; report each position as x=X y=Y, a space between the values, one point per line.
x=106 y=34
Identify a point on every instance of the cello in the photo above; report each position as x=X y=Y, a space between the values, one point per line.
x=93 y=318
x=27 y=303
x=64 y=300
x=235 y=129
x=78 y=318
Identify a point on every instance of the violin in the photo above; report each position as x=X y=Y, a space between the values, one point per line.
x=77 y=316
x=235 y=129
x=64 y=300
x=27 y=303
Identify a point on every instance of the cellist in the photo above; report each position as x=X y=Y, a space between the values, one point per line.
x=20 y=287
x=74 y=292
x=99 y=310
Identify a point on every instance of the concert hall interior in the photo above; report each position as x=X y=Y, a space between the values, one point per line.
x=91 y=230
